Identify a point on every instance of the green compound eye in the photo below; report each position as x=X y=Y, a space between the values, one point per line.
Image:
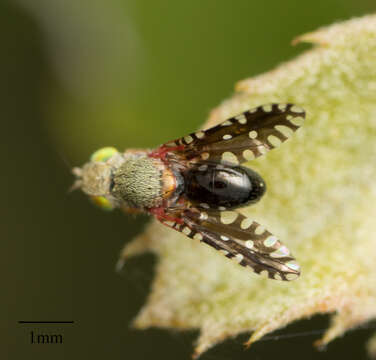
x=102 y=202
x=103 y=154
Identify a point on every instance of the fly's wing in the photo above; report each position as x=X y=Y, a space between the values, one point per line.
x=238 y=238
x=242 y=137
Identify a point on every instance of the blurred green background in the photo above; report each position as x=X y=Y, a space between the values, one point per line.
x=78 y=75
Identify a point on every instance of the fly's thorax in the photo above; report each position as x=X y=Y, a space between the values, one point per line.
x=143 y=182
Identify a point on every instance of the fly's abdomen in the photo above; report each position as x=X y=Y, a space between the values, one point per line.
x=223 y=186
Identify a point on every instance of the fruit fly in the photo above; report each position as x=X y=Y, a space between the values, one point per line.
x=195 y=185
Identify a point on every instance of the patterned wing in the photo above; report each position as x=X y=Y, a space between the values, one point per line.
x=238 y=238
x=242 y=137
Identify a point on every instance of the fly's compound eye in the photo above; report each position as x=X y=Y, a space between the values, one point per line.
x=103 y=154
x=102 y=202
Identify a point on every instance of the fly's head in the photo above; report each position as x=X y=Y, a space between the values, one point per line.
x=95 y=178
x=130 y=180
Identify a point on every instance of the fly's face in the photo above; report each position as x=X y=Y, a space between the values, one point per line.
x=194 y=185
x=95 y=177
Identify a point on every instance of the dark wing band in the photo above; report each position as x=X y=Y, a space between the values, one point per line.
x=238 y=238
x=242 y=137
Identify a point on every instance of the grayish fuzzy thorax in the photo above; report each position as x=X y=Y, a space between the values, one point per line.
x=138 y=182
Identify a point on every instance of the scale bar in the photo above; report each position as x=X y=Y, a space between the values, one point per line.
x=45 y=322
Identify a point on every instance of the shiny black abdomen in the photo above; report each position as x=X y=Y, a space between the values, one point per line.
x=228 y=186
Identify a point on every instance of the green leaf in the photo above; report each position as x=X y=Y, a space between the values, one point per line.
x=321 y=202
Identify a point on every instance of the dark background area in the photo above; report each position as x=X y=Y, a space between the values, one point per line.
x=75 y=77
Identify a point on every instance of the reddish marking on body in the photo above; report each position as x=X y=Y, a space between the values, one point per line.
x=160 y=214
x=129 y=210
x=162 y=151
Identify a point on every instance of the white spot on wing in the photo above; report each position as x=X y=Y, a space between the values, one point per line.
x=226 y=123
x=259 y=230
x=284 y=130
x=248 y=154
x=204 y=205
x=228 y=156
x=238 y=258
x=281 y=252
x=241 y=119
x=274 y=140
x=297 y=120
x=227 y=137
x=267 y=108
x=188 y=139
x=225 y=238
x=292 y=276
x=200 y=134
x=293 y=265
x=253 y=134
x=249 y=244
x=198 y=237
x=297 y=109
x=270 y=241
x=246 y=223
x=205 y=156
x=282 y=107
x=228 y=217
x=203 y=215
x=186 y=230
x=262 y=149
